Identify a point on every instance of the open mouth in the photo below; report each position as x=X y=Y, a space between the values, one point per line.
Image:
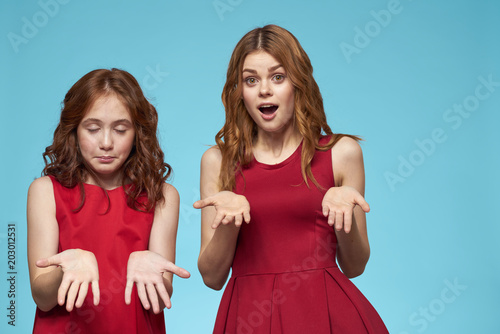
x=268 y=109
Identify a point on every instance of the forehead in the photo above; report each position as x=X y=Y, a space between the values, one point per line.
x=259 y=59
x=108 y=106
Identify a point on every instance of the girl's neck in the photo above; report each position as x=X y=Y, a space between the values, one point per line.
x=109 y=182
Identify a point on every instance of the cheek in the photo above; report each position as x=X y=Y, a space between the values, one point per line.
x=86 y=145
x=289 y=94
x=128 y=144
x=246 y=96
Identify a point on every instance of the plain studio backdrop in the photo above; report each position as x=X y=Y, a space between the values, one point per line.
x=418 y=80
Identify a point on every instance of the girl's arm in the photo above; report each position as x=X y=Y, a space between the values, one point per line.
x=43 y=238
x=346 y=207
x=152 y=270
x=55 y=278
x=219 y=210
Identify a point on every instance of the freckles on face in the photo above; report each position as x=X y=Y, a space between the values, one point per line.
x=106 y=137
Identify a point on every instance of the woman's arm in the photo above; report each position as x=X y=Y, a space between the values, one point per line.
x=153 y=270
x=347 y=214
x=220 y=209
x=55 y=278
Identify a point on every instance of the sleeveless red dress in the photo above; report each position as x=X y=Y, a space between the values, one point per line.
x=284 y=275
x=111 y=236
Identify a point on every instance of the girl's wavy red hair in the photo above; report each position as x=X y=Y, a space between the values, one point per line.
x=144 y=169
x=236 y=136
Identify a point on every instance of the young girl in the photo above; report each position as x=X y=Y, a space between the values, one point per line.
x=103 y=215
x=277 y=158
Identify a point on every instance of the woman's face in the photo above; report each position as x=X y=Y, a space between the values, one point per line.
x=268 y=94
x=106 y=136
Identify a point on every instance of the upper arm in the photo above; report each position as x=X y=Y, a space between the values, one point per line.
x=348 y=170
x=348 y=166
x=43 y=229
x=163 y=235
x=209 y=185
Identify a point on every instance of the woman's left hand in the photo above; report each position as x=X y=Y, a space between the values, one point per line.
x=146 y=269
x=338 y=205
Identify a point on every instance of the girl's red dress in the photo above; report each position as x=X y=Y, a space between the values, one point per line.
x=111 y=236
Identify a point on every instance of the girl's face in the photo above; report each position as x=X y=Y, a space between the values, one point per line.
x=268 y=94
x=106 y=136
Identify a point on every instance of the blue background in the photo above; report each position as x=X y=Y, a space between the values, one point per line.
x=396 y=80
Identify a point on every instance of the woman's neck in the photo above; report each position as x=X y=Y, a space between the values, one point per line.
x=273 y=148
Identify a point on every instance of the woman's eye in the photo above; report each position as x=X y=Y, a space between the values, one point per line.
x=93 y=130
x=279 y=77
x=250 y=81
x=120 y=130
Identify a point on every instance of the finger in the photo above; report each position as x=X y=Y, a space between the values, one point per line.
x=326 y=210
x=228 y=219
x=72 y=293
x=160 y=288
x=128 y=291
x=153 y=297
x=359 y=200
x=246 y=216
x=181 y=272
x=202 y=203
x=347 y=221
x=238 y=220
x=217 y=220
x=96 y=292
x=54 y=260
x=84 y=288
x=62 y=291
x=42 y=263
x=331 y=217
x=339 y=220
x=141 y=292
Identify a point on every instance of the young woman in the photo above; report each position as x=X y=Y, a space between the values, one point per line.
x=277 y=158
x=102 y=215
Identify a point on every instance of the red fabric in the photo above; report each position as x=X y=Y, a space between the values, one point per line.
x=111 y=236
x=284 y=274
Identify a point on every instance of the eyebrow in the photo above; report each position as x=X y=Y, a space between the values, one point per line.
x=270 y=69
x=96 y=120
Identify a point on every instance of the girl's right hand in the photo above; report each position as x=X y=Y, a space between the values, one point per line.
x=230 y=208
x=79 y=270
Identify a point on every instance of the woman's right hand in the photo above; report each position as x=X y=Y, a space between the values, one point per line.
x=79 y=270
x=230 y=208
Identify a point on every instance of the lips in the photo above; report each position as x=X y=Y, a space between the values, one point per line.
x=268 y=111
x=105 y=159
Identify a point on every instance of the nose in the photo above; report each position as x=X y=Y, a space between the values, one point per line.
x=106 y=142
x=265 y=88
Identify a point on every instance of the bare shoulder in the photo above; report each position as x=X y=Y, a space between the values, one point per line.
x=212 y=157
x=41 y=206
x=347 y=162
x=41 y=187
x=170 y=193
x=347 y=149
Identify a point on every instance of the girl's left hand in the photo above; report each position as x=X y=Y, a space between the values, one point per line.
x=146 y=269
x=338 y=205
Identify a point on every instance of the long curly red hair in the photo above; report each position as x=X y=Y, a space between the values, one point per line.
x=236 y=136
x=144 y=169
